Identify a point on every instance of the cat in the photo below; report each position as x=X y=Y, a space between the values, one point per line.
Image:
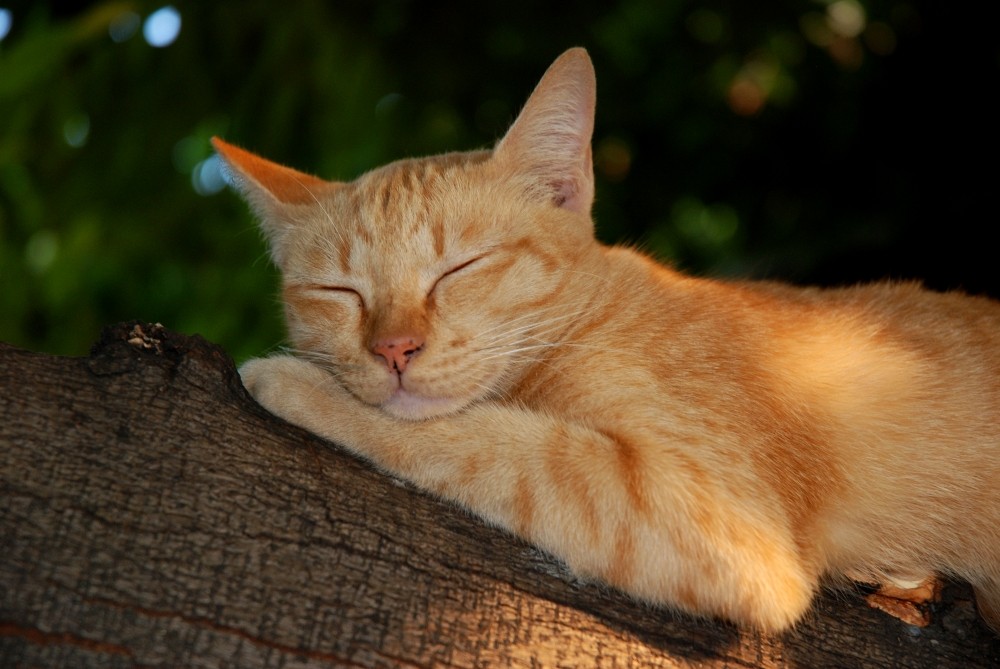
x=719 y=447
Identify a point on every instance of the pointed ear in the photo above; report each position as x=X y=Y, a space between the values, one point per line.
x=274 y=192
x=260 y=179
x=549 y=142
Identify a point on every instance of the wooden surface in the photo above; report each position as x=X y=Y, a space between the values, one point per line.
x=153 y=515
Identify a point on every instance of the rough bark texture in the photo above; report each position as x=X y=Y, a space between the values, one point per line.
x=153 y=515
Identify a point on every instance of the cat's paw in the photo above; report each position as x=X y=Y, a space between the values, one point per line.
x=910 y=601
x=284 y=385
x=309 y=396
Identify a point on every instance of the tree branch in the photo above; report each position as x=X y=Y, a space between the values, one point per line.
x=153 y=515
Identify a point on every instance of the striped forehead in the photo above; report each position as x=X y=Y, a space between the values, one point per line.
x=399 y=212
x=393 y=217
x=400 y=199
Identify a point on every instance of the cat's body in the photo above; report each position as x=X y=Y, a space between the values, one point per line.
x=716 y=446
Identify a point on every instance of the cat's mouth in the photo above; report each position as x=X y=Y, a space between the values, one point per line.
x=414 y=406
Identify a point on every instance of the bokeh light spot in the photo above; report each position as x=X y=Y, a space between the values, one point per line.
x=745 y=96
x=880 y=38
x=613 y=158
x=708 y=226
x=846 y=18
x=162 y=26
x=76 y=129
x=207 y=178
x=6 y=20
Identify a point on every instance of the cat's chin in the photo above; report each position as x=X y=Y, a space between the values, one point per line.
x=411 y=406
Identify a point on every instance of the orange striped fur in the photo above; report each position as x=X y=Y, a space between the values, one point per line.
x=719 y=447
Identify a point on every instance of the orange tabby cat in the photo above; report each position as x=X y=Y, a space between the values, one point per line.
x=715 y=446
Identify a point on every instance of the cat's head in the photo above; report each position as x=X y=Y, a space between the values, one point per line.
x=428 y=284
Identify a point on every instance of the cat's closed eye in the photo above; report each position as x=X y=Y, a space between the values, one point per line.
x=456 y=269
x=335 y=290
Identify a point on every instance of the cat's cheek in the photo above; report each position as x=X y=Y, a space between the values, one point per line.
x=531 y=274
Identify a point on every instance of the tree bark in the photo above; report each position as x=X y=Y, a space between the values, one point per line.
x=153 y=515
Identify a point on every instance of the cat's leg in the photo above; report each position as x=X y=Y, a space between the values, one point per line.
x=659 y=529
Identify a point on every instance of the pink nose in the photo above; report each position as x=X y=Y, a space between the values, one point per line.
x=397 y=351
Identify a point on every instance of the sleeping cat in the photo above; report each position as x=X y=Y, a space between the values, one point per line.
x=716 y=446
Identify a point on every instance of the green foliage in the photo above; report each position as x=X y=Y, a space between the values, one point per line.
x=732 y=137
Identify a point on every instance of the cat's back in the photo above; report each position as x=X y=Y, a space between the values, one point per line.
x=875 y=340
x=880 y=403
x=651 y=327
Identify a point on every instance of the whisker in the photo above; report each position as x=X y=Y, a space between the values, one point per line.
x=550 y=323
x=514 y=351
x=522 y=317
x=605 y=279
x=328 y=362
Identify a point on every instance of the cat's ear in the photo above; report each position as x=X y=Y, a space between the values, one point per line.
x=274 y=192
x=265 y=183
x=549 y=141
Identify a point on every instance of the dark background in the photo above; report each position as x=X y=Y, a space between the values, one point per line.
x=813 y=142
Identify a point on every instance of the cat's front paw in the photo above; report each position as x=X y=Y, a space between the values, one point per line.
x=284 y=385
x=309 y=396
